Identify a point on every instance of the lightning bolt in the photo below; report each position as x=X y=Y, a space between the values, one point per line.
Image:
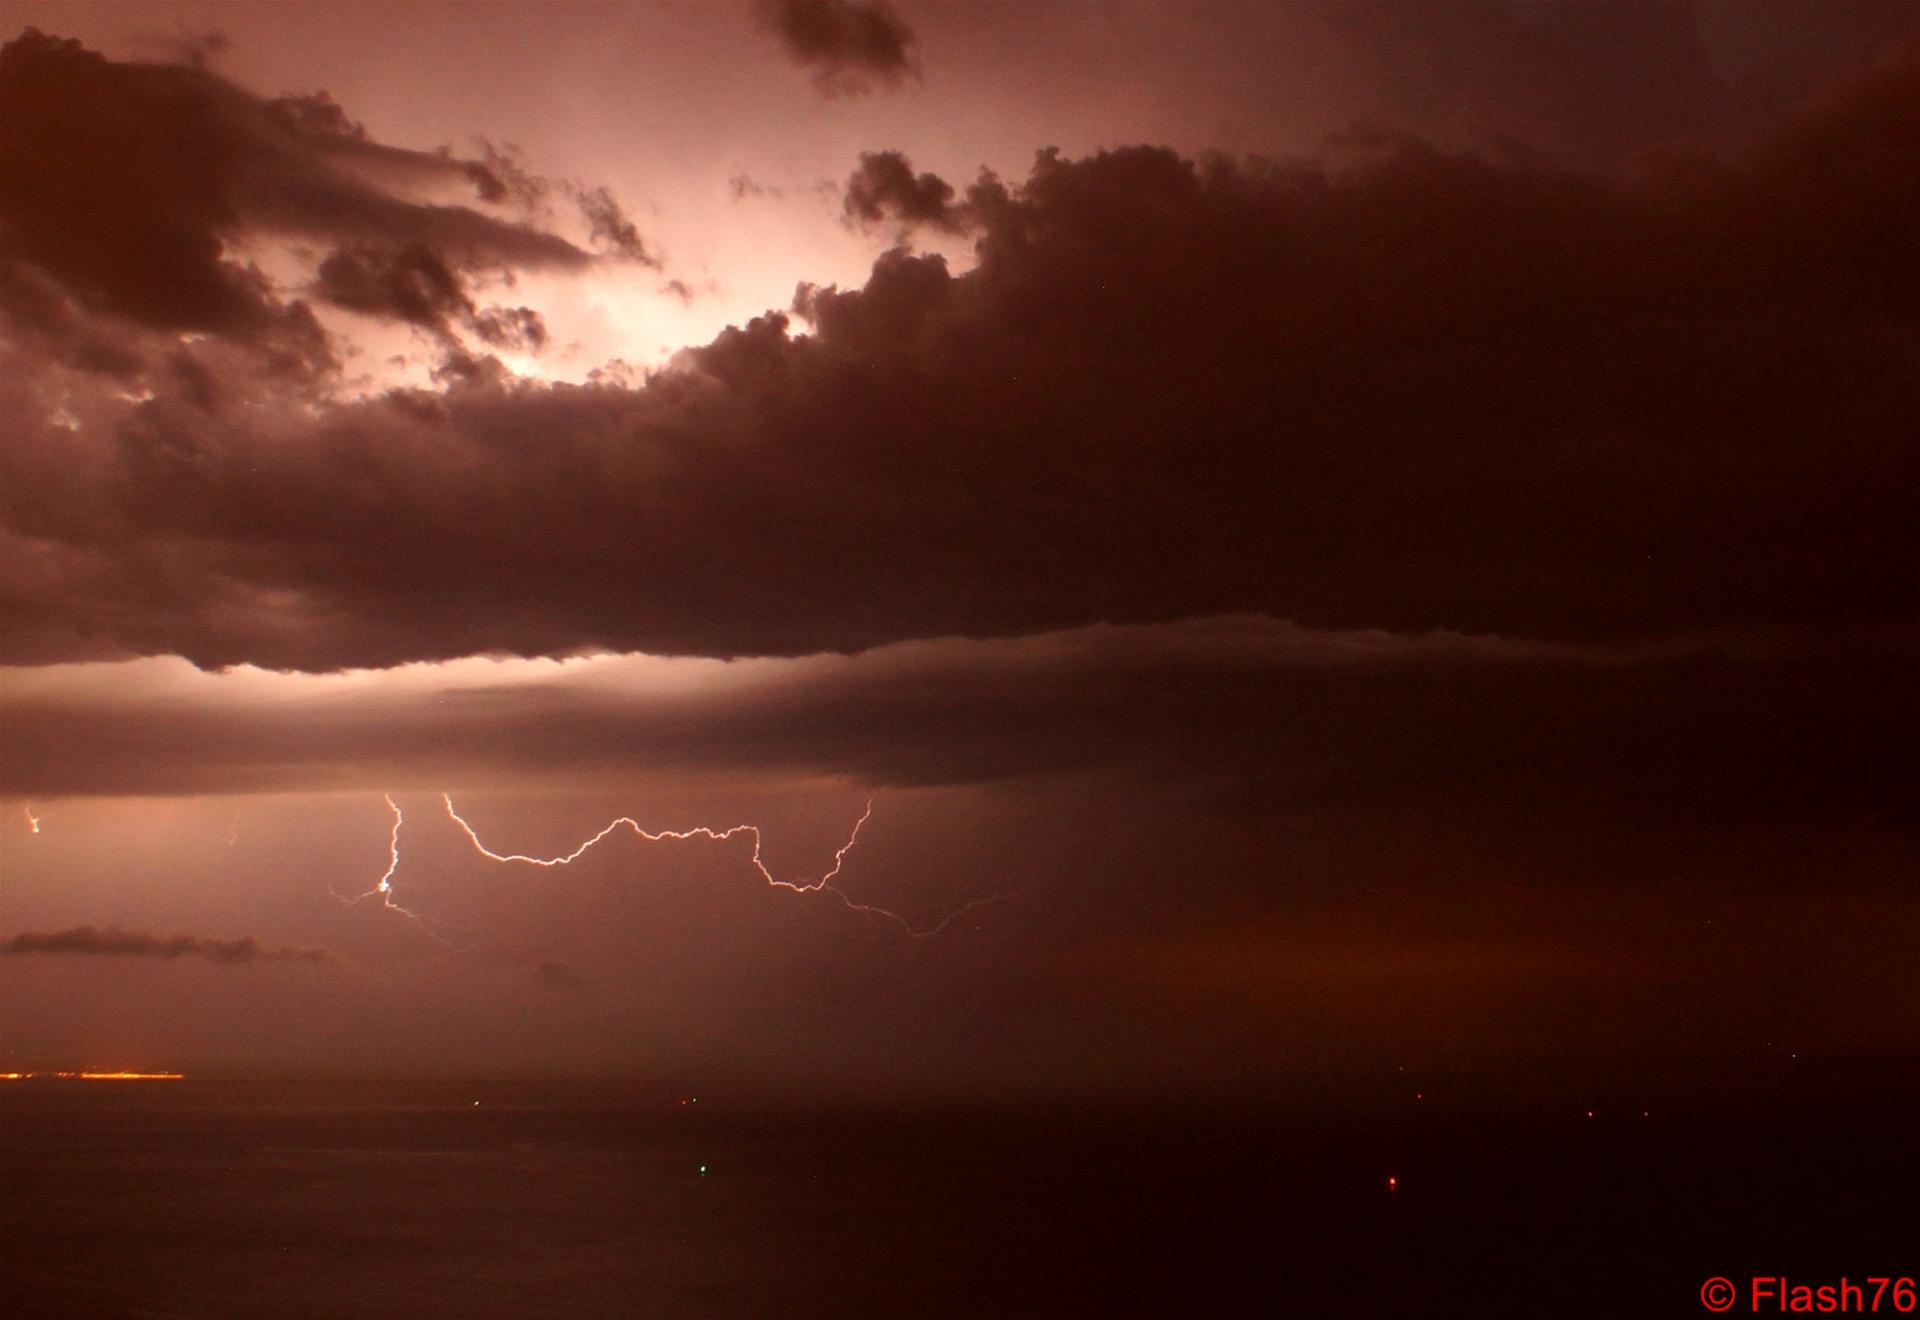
x=383 y=887
x=33 y=821
x=825 y=884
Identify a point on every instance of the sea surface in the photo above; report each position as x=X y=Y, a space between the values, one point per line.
x=325 y=1202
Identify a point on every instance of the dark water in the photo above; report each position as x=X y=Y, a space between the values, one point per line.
x=211 y=1200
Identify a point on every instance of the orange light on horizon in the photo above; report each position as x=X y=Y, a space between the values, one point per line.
x=94 y=1076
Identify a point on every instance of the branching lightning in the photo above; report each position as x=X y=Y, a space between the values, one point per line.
x=383 y=888
x=825 y=884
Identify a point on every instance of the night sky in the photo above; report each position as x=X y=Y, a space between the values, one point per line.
x=1340 y=542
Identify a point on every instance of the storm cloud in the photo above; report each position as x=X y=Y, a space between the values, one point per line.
x=1401 y=388
x=1439 y=594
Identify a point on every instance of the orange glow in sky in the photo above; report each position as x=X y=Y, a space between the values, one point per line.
x=94 y=1076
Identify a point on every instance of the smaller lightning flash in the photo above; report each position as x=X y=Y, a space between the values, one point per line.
x=33 y=821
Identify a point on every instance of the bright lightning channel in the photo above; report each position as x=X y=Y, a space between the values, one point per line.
x=825 y=884
x=383 y=887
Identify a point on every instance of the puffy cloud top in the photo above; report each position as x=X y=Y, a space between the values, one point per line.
x=1401 y=388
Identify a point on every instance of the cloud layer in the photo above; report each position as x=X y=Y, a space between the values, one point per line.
x=114 y=943
x=159 y=198
x=1405 y=389
x=1405 y=602
x=1686 y=733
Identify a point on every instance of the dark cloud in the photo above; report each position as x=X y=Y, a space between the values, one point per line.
x=885 y=188
x=852 y=46
x=114 y=943
x=1402 y=389
x=519 y=328
x=1683 y=734
x=499 y=175
x=412 y=283
x=609 y=224
x=138 y=192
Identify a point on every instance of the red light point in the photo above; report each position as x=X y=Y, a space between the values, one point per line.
x=1393 y=1184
